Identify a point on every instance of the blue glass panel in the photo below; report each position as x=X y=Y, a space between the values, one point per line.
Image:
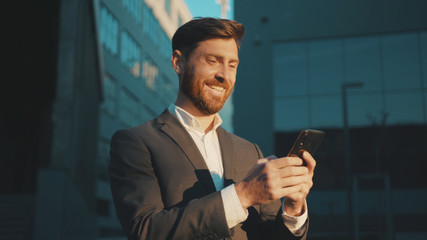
x=401 y=61
x=365 y=109
x=290 y=72
x=326 y=66
x=423 y=50
x=291 y=114
x=363 y=62
x=109 y=31
x=130 y=54
x=404 y=107
x=326 y=111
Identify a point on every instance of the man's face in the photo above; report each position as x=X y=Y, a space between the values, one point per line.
x=210 y=74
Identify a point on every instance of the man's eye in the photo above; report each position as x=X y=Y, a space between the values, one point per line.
x=211 y=60
x=233 y=66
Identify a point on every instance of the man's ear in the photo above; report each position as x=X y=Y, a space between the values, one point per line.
x=177 y=60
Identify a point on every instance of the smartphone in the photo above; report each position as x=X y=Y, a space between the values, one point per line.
x=308 y=140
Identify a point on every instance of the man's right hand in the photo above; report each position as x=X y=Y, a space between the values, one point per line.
x=272 y=178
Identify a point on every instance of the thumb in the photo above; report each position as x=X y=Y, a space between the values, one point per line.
x=271 y=157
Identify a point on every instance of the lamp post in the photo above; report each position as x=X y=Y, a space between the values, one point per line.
x=347 y=153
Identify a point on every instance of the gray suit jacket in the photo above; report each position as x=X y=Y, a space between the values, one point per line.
x=162 y=188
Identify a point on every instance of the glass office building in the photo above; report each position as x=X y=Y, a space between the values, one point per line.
x=138 y=81
x=308 y=76
x=303 y=64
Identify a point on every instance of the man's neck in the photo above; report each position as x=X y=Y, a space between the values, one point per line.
x=206 y=121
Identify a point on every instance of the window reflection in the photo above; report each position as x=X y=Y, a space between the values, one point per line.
x=109 y=31
x=130 y=54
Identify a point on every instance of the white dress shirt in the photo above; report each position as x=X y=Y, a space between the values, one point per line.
x=208 y=145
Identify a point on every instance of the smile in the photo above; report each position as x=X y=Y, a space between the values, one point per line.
x=218 y=88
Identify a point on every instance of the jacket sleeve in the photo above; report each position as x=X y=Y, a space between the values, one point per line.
x=138 y=200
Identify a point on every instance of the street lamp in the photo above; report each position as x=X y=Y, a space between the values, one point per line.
x=347 y=150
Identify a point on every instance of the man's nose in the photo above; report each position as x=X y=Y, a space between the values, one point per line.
x=222 y=73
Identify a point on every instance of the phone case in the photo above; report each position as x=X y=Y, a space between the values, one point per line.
x=308 y=140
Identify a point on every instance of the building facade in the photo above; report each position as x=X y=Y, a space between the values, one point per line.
x=309 y=62
x=138 y=80
x=49 y=122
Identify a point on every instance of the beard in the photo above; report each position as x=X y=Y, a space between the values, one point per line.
x=193 y=90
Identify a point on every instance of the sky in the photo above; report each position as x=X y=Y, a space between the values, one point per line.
x=208 y=8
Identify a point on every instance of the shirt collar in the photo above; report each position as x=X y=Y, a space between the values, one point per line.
x=191 y=122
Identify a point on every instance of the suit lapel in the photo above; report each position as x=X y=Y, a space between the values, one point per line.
x=226 y=146
x=171 y=126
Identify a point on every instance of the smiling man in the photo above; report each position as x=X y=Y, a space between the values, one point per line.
x=182 y=176
x=205 y=86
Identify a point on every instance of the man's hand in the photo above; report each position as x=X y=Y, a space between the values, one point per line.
x=273 y=178
x=294 y=203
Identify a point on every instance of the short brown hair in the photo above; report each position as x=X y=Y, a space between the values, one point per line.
x=197 y=30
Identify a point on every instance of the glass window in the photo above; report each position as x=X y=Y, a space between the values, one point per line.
x=151 y=25
x=300 y=117
x=150 y=72
x=103 y=157
x=290 y=69
x=166 y=47
x=110 y=95
x=422 y=38
x=170 y=90
x=109 y=31
x=401 y=62
x=326 y=66
x=134 y=8
x=389 y=66
x=129 y=108
x=103 y=151
x=130 y=54
x=404 y=107
x=363 y=62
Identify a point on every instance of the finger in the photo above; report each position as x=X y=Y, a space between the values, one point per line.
x=289 y=191
x=293 y=171
x=295 y=180
x=286 y=161
x=311 y=163
x=271 y=157
x=304 y=190
x=262 y=160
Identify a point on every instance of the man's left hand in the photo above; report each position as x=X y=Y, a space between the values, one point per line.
x=294 y=203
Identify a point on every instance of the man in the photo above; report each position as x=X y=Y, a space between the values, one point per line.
x=182 y=176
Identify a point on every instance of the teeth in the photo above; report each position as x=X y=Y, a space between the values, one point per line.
x=217 y=87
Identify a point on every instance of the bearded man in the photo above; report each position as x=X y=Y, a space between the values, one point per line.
x=182 y=176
